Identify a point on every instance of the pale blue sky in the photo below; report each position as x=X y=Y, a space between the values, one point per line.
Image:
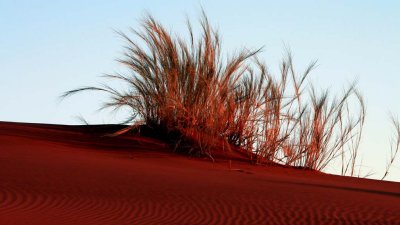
x=48 y=47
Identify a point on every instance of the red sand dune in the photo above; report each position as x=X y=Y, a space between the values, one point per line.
x=53 y=174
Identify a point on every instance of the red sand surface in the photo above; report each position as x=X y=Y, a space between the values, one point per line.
x=53 y=174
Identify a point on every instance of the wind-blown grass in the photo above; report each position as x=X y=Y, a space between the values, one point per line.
x=202 y=102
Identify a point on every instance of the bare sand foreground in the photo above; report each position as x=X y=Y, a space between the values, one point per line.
x=54 y=174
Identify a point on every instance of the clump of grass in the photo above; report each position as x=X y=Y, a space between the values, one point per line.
x=183 y=89
x=202 y=102
x=328 y=129
x=303 y=128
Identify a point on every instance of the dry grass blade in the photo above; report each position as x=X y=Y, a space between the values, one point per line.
x=395 y=145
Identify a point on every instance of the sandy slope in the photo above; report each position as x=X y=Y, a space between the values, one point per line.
x=54 y=174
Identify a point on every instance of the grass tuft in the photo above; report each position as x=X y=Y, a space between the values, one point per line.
x=202 y=102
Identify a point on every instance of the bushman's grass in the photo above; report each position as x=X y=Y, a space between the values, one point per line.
x=203 y=101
